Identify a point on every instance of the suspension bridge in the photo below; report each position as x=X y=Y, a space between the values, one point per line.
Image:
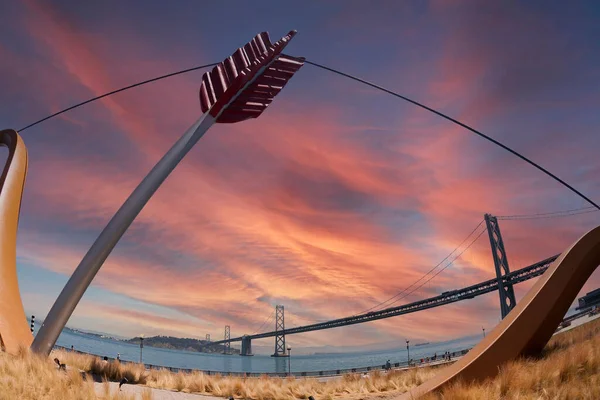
x=503 y=283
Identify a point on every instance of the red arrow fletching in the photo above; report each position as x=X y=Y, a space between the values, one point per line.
x=240 y=87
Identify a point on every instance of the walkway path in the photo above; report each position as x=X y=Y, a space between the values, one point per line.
x=157 y=394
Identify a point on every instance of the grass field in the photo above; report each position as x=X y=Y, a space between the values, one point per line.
x=569 y=368
x=29 y=377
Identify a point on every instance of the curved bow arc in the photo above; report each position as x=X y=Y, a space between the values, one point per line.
x=14 y=331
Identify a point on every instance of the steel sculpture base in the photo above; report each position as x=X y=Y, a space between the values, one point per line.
x=14 y=331
x=88 y=268
x=528 y=327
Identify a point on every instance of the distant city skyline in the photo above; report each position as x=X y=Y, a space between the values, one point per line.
x=337 y=198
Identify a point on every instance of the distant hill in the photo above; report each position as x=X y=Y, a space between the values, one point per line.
x=188 y=344
x=95 y=334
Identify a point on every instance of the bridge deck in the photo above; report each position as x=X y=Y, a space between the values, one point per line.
x=452 y=296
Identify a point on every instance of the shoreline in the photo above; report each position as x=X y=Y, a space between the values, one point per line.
x=295 y=375
x=327 y=374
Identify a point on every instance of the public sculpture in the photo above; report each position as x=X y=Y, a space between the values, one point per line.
x=240 y=88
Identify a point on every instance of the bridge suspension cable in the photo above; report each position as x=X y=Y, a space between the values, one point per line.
x=428 y=272
x=441 y=270
x=554 y=214
x=264 y=323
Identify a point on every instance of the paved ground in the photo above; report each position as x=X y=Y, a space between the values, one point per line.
x=157 y=394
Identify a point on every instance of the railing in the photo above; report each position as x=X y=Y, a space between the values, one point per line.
x=326 y=373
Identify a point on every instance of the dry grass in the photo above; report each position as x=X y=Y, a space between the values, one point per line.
x=569 y=368
x=29 y=377
x=349 y=386
x=112 y=371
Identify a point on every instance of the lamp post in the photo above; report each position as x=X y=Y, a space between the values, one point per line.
x=289 y=349
x=408 y=352
x=141 y=346
x=483 y=329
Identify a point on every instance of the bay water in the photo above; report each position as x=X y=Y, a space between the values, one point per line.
x=257 y=363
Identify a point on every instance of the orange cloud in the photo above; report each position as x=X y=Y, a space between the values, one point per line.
x=302 y=207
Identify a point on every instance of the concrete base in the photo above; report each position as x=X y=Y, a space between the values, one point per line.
x=246 y=346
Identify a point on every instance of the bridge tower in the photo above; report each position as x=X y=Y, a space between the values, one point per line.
x=280 y=337
x=505 y=290
x=227 y=344
x=208 y=337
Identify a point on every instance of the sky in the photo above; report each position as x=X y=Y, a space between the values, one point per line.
x=337 y=198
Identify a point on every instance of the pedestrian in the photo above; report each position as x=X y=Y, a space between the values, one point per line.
x=72 y=348
x=388 y=365
x=119 y=357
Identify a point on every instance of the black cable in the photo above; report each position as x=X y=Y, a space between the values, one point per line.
x=355 y=79
x=117 y=91
x=563 y=213
x=461 y=124
x=428 y=272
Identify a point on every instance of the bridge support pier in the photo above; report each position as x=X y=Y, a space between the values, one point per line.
x=246 y=346
x=505 y=290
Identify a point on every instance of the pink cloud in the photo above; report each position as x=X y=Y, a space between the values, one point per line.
x=282 y=209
